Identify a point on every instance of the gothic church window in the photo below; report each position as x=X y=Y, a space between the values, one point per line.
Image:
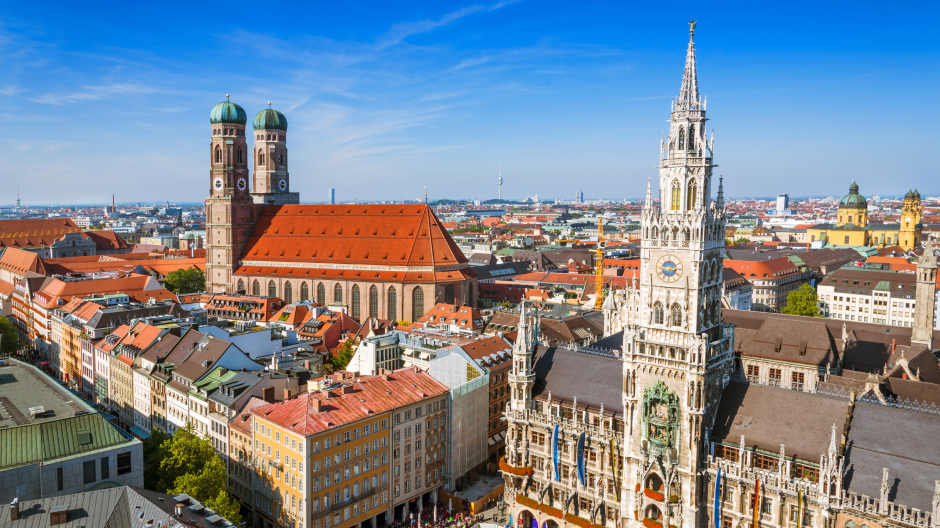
x=261 y=158
x=691 y=137
x=321 y=294
x=272 y=289
x=240 y=156
x=658 y=313
x=676 y=202
x=676 y=315
x=449 y=294
x=280 y=159
x=241 y=286
x=392 y=302
x=218 y=154
x=256 y=288
x=681 y=139
x=417 y=303
x=304 y=291
x=373 y=301
x=355 y=302
x=338 y=294
x=288 y=293
x=691 y=195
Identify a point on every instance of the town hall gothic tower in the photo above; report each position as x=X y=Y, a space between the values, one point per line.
x=645 y=463
x=677 y=353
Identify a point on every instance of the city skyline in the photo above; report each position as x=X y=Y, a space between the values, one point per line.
x=384 y=103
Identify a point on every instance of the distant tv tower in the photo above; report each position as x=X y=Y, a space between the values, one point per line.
x=500 y=181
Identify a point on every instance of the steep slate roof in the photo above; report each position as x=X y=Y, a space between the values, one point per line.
x=903 y=441
x=768 y=417
x=786 y=338
x=568 y=374
x=366 y=398
x=104 y=508
x=362 y=234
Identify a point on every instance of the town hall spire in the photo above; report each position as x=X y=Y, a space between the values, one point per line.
x=689 y=98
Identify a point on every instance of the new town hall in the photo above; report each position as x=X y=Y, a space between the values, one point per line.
x=659 y=425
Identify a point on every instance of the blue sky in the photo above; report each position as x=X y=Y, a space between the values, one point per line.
x=384 y=98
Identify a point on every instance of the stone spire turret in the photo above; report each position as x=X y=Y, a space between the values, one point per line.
x=926 y=287
x=689 y=98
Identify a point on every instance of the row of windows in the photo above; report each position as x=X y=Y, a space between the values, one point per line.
x=417 y=297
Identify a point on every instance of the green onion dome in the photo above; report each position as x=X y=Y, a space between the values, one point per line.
x=270 y=119
x=228 y=112
x=853 y=200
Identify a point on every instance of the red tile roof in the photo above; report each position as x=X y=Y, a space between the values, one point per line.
x=19 y=261
x=462 y=316
x=314 y=412
x=106 y=240
x=35 y=232
x=362 y=234
x=776 y=267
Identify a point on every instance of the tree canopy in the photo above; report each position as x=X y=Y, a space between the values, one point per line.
x=803 y=301
x=343 y=356
x=9 y=337
x=187 y=463
x=186 y=281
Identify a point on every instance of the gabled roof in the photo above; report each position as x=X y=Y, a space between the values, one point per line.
x=20 y=261
x=361 y=234
x=593 y=379
x=106 y=240
x=56 y=439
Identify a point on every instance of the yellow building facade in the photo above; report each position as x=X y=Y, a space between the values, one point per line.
x=854 y=228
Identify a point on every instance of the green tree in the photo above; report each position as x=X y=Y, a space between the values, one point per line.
x=9 y=337
x=154 y=453
x=188 y=464
x=742 y=241
x=343 y=357
x=802 y=301
x=186 y=281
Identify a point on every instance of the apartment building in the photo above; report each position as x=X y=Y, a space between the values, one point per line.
x=323 y=458
x=419 y=452
x=772 y=280
x=875 y=296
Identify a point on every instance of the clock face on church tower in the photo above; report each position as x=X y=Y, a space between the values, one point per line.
x=218 y=184
x=241 y=184
x=282 y=185
x=669 y=268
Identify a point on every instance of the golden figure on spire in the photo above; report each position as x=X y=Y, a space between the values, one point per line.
x=692 y=27
x=599 y=266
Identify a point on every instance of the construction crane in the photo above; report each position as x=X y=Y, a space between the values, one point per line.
x=599 y=266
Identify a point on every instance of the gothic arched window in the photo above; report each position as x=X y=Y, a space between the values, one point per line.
x=218 y=154
x=261 y=158
x=241 y=286
x=417 y=303
x=240 y=156
x=691 y=137
x=280 y=159
x=272 y=289
x=392 y=303
x=288 y=293
x=691 y=195
x=681 y=139
x=676 y=201
x=256 y=288
x=304 y=291
x=658 y=313
x=355 y=302
x=676 y=315
x=655 y=232
x=373 y=301
x=449 y=294
x=321 y=294
x=337 y=294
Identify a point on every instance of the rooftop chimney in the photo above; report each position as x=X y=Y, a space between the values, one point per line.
x=15 y=509
x=267 y=394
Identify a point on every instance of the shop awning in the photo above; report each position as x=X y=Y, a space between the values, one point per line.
x=44 y=363
x=140 y=433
